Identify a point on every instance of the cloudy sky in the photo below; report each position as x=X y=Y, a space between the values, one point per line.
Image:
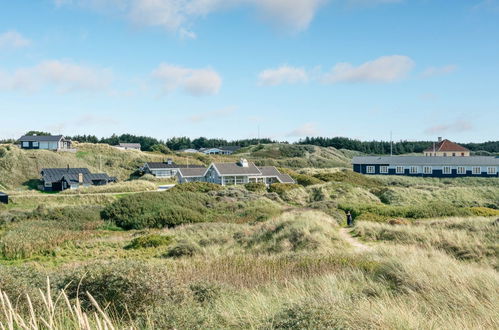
x=231 y=68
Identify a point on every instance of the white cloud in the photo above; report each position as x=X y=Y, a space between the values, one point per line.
x=13 y=39
x=175 y=15
x=194 y=81
x=369 y=3
x=307 y=129
x=62 y=75
x=457 y=126
x=438 y=71
x=186 y=34
x=282 y=75
x=385 y=69
x=212 y=114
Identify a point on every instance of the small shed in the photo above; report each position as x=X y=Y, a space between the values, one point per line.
x=4 y=198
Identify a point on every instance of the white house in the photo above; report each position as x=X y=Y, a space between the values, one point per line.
x=228 y=150
x=238 y=173
x=166 y=169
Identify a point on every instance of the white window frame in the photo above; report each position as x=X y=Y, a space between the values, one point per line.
x=461 y=170
x=400 y=170
x=476 y=170
x=371 y=169
x=414 y=170
x=25 y=144
x=446 y=170
x=36 y=144
x=383 y=169
x=491 y=170
x=427 y=170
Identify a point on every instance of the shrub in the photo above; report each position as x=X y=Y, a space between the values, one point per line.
x=129 y=287
x=305 y=315
x=484 y=211
x=183 y=249
x=281 y=188
x=161 y=148
x=205 y=292
x=306 y=180
x=256 y=186
x=197 y=187
x=3 y=152
x=146 y=241
x=157 y=210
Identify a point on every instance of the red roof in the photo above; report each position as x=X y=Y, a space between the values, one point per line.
x=447 y=146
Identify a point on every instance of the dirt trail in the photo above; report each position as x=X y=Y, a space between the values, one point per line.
x=359 y=247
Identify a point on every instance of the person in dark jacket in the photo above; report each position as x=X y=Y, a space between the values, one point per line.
x=349 y=219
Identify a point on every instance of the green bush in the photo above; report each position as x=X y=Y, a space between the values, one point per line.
x=484 y=211
x=157 y=210
x=281 y=188
x=306 y=180
x=3 y=152
x=430 y=210
x=256 y=186
x=197 y=187
x=183 y=249
x=305 y=315
x=151 y=240
x=129 y=287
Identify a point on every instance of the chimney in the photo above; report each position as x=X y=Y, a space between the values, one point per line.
x=80 y=177
x=68 y=167
x=243 y=162
x=169 y=161
x=439 y=139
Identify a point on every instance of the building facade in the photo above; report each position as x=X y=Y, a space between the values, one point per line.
x=446 y=148
x=423 y=166
x=50 y=142
x=238 y=173
x=166 y=169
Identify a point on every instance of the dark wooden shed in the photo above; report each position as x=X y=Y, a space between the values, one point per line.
x=4 y=198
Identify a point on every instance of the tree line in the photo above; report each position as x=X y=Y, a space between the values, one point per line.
x=368 y=147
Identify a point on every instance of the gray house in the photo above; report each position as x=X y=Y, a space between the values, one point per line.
x=238 y=173
x=228 y=150
x=128 y=146
x=49 y=142
x=166 y=169
x=58 y=179
x=424 y=166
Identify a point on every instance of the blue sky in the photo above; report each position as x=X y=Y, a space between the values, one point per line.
x=226 y=68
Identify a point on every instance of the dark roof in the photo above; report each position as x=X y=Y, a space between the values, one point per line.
x=426 y=160
x=160 y=165
x=236 y=169
x=447 y=146
x=192 y=172
x=3 y=194
x=38 y=138
x=272 y=171
x=230 y=148
x=71 y=175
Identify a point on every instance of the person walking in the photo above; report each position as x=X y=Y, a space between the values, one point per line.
x=349 y=219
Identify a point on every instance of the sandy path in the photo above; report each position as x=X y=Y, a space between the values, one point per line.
x=359 y=247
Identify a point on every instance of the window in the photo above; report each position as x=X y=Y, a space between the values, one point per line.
x=35 y=144
x=383 y=169
x=445 y=154
x=427 y=170
x=476 y=170
x=447 y=170
x=462 y=153
x=25 y=144
x=399 y=170
x=461 y=170
x=371 y=169
x=454 y=154
x=414 y=170
x=491 y=170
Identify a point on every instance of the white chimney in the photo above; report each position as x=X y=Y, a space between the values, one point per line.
x=243 y=162
x=169 y=161
x=439 y=139
x=80 y=177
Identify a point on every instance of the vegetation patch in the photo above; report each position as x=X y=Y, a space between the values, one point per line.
x=148 y=241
